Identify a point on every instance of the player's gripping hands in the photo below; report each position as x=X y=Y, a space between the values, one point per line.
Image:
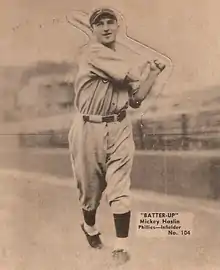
x=157 y=67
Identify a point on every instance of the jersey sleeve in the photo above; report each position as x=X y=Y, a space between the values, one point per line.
x=107 y=63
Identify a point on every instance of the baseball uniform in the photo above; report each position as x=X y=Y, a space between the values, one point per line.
x=102 y=153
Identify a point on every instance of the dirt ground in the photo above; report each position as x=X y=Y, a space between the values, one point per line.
x=40 y=219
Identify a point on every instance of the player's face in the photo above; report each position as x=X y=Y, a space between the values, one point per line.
x=105 y=30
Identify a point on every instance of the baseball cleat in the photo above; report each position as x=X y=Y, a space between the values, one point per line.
x=93 y=240
x=120 y=256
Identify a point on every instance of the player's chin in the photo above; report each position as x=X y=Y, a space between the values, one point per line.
x=108 y=40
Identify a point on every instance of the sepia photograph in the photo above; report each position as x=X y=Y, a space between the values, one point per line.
x=109 y=135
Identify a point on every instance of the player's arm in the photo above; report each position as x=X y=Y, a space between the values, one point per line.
x=109 y=64
x=140 y=91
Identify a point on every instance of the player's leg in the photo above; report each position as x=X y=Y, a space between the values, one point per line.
x=120 y=159
x=87 y=158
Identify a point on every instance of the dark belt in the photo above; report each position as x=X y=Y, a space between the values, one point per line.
x=107 y=119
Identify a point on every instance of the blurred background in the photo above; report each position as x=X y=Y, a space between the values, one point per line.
x=177 y=161
x=38 y=49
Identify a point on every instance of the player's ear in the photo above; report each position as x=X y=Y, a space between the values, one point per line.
x=118 y=25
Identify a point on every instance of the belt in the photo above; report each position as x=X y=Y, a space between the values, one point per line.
x=107 y=119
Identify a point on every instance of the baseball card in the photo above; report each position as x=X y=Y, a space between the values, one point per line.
x=109 y=135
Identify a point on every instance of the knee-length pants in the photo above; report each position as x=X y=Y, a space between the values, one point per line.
x=102 y=156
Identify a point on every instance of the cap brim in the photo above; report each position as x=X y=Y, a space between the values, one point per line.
x=103 y=14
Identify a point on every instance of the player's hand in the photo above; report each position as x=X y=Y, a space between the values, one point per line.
x=157 y=67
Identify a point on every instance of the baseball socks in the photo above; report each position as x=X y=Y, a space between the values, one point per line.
x=89 y=222
x=122 y=224
x=89 y=229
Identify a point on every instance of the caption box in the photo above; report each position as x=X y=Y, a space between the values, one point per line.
x=165 y=224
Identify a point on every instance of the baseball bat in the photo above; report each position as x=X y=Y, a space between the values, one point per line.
x=80 y=20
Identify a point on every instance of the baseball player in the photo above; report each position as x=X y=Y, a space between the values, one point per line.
x=100 y=139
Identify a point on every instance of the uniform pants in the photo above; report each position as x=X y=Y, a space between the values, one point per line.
x=102 y=156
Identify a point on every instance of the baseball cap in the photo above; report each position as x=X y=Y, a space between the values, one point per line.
x=96 y=14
